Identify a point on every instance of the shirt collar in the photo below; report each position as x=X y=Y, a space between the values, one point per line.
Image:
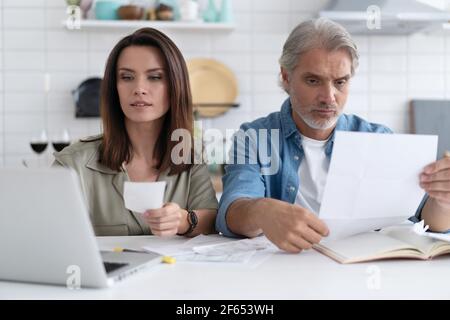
x=290 y=129
x=94 y=164
x=287 y=123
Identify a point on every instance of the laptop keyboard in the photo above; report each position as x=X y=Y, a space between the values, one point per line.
x=112 y=266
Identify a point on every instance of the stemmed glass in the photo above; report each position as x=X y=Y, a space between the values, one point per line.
x=38 y=143
x=61 y=141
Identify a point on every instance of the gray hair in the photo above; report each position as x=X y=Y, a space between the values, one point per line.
x=314 y=34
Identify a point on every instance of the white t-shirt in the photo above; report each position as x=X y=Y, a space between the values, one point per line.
x=312 y=173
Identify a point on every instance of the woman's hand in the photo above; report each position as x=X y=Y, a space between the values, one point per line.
x=168 y=220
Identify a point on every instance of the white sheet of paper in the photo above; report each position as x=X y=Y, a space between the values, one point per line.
x=423 y=230
x=187 y=246
x=142 y=196
x=215 y=248
x=438 y=236
x=257 y=249
x=373 y=180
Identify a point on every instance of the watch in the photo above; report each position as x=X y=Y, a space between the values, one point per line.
x=192 y=220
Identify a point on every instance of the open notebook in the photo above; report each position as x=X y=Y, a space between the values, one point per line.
x=392 y=242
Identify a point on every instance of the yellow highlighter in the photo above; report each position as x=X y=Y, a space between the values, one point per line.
x=168 y=260
x=120 y=249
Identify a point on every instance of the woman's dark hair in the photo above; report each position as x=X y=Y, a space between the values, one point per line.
x=115 y=147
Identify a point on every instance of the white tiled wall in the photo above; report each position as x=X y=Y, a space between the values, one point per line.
x=33 y=43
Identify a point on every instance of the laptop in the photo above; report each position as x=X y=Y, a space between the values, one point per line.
x=46 y=235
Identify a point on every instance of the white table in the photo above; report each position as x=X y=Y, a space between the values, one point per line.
x=308 y=275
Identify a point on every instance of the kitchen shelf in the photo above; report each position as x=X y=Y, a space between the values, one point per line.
x=136 y=24
x=212 y=110
x=216 y=105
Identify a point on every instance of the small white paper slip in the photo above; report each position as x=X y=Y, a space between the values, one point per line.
x=143 y=196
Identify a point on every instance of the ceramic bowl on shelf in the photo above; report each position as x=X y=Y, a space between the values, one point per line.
x=130 y=12
x=85 y=6
x=164 y=12
x=106 y=9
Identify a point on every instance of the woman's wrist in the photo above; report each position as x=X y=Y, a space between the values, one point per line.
x=184 y=223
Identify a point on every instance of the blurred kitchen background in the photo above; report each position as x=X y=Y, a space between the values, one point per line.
x=42 y=61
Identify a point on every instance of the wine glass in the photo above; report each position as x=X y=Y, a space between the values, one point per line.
x=61 y=141
x=38 y=143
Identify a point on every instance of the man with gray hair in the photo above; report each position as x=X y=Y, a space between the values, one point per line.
x=318 y=60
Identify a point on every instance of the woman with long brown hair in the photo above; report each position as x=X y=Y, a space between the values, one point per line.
x=145 y=97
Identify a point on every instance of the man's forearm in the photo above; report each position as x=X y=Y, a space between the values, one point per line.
x=242 y=216
x=436 y=216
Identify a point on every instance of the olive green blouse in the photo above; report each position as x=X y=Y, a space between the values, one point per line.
x=103 y=189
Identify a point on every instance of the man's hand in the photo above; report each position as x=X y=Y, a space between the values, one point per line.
x=435 y=180
x=291 y=227
x=166 y=221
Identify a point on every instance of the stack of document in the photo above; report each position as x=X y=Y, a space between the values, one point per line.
x=218 y=249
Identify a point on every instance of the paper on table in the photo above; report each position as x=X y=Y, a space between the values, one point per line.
x=438 y=236
x=185 y=251
x=215 y=248
x=175 y=249
x=203 y=240
x=142 y=196
x=236 y=257
x=244 y=245
x=422 y=230
x=373 y=180
x=242 y=251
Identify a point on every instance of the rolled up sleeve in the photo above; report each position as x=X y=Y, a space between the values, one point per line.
x=240 y=181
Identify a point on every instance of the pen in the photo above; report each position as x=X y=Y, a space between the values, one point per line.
x=137 y=251
x=120 y=249
x=164 y=259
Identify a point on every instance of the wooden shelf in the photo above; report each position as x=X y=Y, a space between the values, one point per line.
x=136 y=24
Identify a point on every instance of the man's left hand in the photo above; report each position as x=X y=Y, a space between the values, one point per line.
x=435 y=180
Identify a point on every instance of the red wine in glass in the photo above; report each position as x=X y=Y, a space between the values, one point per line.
x=59 y=145
x=38 y=143
x=38 y=147
x=61 y=140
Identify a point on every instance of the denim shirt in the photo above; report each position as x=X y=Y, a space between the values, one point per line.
x=249 y=180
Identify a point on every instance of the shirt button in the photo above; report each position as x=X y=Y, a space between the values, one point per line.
x=291 y=189
x=296 y=158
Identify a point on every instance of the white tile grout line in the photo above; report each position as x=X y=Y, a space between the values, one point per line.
x=47 y=76
x=2 y=26
x=446 y=94
x=369 y=78
x=408 y=124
